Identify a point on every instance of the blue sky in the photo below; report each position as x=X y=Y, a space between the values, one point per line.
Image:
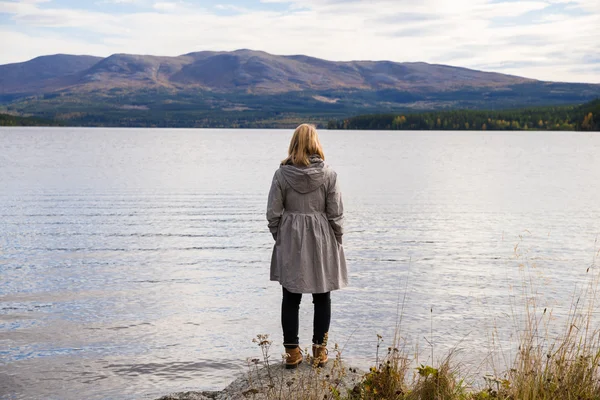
x=556 y=40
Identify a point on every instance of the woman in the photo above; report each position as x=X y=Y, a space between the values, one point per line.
x=305 y=215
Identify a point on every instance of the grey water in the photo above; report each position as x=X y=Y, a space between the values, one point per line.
x=134 y=262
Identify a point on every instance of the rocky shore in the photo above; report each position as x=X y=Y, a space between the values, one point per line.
x=276 y=382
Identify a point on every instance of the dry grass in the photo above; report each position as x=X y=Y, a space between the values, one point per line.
x=268 y=380
x=547 y=366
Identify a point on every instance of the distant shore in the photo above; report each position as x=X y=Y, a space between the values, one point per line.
x=584 y=117
x=14 y=120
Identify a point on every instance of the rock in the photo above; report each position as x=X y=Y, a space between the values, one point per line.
x=276 y=382
x=190 y=396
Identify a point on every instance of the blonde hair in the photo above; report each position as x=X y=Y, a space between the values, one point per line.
x=305 y=143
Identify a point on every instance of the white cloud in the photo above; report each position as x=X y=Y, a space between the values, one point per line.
x=23 y=47
x=11 y=7
x=122 y=1
x=165 y=6
x=133 y=2
x=461 y=32
x=231 y=7
x=512 y=9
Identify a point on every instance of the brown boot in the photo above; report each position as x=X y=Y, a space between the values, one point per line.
x=320 y=355
x=293 y=357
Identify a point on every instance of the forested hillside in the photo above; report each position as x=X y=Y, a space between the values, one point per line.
x=12 y=120
x=581 y=118
x=254 y=89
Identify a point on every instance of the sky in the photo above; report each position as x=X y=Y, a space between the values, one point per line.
x=555 y=40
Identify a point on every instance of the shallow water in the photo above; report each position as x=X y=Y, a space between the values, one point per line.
x=134 y=262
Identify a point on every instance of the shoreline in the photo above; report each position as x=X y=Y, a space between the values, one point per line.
x=264 y=382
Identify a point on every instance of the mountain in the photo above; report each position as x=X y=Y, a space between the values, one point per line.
x=207 y=88
x=241 y=70
x=43 y=74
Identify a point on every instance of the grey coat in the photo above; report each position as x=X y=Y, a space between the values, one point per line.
x=306 y=216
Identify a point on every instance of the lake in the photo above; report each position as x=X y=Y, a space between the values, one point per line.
x=135 y=262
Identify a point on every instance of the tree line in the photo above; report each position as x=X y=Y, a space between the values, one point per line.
x=584 y=117
x=12 y=120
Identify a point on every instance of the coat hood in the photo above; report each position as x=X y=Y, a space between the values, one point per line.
x=305 y=179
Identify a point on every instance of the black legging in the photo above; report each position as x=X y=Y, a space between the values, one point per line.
x=290 y=307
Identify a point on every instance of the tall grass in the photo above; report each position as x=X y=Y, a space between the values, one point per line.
x=556 y=366
x=551 y=363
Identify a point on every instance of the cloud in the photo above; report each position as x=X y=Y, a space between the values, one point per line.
x=22 y=46
x=545 y=39
x=10 y=7
x=232 y=7
x=165 y=6
x=120 y=2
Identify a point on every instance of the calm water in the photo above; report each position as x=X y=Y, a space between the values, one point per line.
x=134 y=262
